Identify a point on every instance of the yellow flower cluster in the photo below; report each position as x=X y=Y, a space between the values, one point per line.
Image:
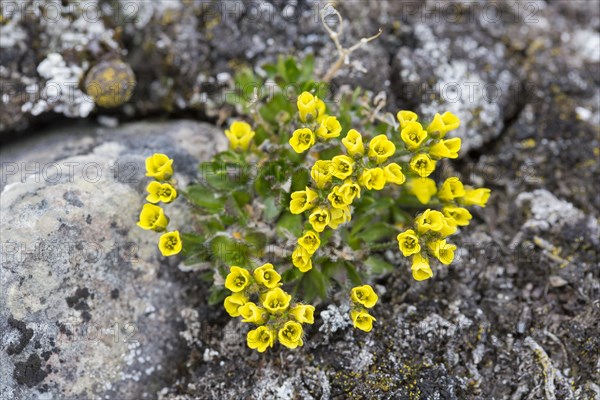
x=340 y=180
x=152 y=217
x=317 y=125
x=363 y=297
x=308 y=244
x=240 y=135
x=432 y=227
x=276 y=317
x=428 y=145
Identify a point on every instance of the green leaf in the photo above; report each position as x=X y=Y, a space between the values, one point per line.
x=272 y=110
x=292 y=72
x=272 y=209
x=329 y=153
x=300 y=179
x=207 y=277
x=330 y=268
x=233 y=209
x=241 y=197
x=205 y=197
x=360 y=222
x=213 y=225
x=215 y=175
x=378 y=265
x=229 y=157
x=291 y=223
x=315 y=285
x=376 y=232
x=308 y=67
x=261 y=134
x=229 y=251
x=270 y=69
x=194 y=248
x=217 y=295
x=353 y=274
x=256 y=242
x=291 y=275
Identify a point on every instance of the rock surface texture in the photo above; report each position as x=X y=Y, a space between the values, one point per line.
x=89 y=309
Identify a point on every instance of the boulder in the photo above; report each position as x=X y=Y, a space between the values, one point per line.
x=90 y=309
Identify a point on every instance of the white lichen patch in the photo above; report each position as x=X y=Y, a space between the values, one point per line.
x=335 y=318
x=60 y=92
x=547 y=211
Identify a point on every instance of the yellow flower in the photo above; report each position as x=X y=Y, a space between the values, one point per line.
x=252 y=313
x=276 y=301
x=310 y=241
x=159 y=166
x=423 y=189
x=364 y=295
x=372 y=179
x=449 y=227
x=260 y=338
x=306 y=106
x=443 y=251
x=330 y=128
x=420 y=268
x=302 y=139
x=321 y=108
x=478 y=197
x=408 y=242
x=267 y=276
x=160 y=192
x=301 y=259
x=362 y=320
x=309 y=105
x=381 y=148
x=336 y=198
x=303 y=313
x=339 y=216
x=461 y=216
x=430 y=220
x=240 y=134
x=169 y=243
x=443 y=123
x=413 y=135
x=451 y=189
x=342 y=166
x=237 y=279
x=319 y=219
x=393 y=174
x=302 y=200
x=152 y=218
x=404 y=117
x=350 y=190
x=354 y=143
x=233 y=303
x=290 y=335
x=321 y=172
x=422 y=164
x=445 y=148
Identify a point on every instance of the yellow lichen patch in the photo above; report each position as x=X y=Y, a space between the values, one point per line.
x=110 y=83
x=528 y=143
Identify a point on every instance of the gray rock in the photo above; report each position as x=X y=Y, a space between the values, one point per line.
x=89 y=307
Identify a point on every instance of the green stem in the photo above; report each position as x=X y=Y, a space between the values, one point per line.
x=384 y=246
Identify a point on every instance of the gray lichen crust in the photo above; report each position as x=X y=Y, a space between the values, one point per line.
x=89 y=308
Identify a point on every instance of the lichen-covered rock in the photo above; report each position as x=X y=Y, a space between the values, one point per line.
x=89 y=307
x=484 y=62
x=551 y=214
x=515 y=316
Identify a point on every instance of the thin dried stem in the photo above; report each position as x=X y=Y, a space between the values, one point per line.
x=343 y=53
